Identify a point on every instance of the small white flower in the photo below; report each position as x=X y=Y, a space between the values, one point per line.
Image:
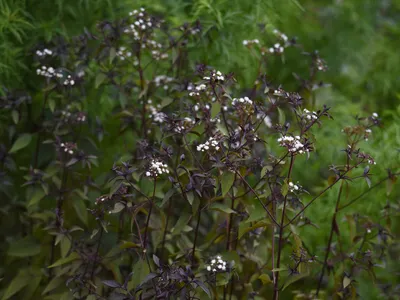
x=292 y=144
x=156 y=168
x=217 y=264
x=211 y=142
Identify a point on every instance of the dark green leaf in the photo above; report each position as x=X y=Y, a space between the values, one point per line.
x=25 y=247
x=62 y=261
x=17 y=284
x=22 y=141
x=226 y=182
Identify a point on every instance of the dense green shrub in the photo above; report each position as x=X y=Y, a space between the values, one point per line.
x=85 y=216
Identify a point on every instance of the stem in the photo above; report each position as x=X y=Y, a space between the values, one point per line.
x=273 y=168
x=140 y=70
x=228 y=241
x=258 y=198
x=149 y=215
x=121 y=225
x=328 y=248
x=230 y=226
x=365 y=192
x=96 y=255
x=36 y=157
x=273 y=234
x=191 y=153
x=359 y=251
x=58 y=215
x=196 y=234
x=319 y=195
x=230 y=221
x=280 y=244
x=166 y=227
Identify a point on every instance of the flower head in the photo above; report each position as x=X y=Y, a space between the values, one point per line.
x=156 y=168
x=217 y=264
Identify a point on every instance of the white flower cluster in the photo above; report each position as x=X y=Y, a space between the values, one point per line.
x=371 y=161
x=142 y=23
x=368 y=131
x=81 y=117
x=49 y=72
x=321 y=66
x=122 y=53
x=293 y=187
x=101 y=199
x=309 y=115
x=215 y=75
x=197 y=89
x=158 y=117
x=68 y=147
x=215 y=120
x=293 y=144
x=374 y=115
x=194 y=31
x=65 y=114
x=163 y=80
x=277 y=48
x=152 y=44
x=280 y=92
x=216 y=265
x=281 y=35
x=157 y=55
x=185 y=124
x=245 y=101
x=250 y=42
x=156 y=168
x=211 y=143
x=69 y=81
x=43 y=53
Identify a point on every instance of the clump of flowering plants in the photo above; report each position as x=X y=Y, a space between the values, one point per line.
x=183 y=186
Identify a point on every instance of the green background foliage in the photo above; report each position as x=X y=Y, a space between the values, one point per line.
x=358 y=39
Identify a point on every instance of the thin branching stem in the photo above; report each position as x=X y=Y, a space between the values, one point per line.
x=319 y=195
x=280 y=239
x=196 y=233
x=258 y=198
x=149 y=214
x=334 y=228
